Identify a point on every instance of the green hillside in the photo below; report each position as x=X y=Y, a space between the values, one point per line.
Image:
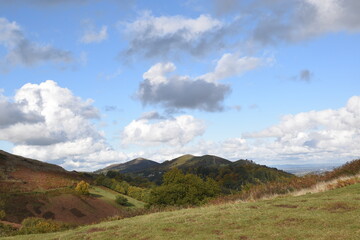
x=135 y=165
x=328 y=215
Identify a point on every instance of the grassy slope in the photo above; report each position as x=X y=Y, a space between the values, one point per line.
x=328 y=215
x=110 y=195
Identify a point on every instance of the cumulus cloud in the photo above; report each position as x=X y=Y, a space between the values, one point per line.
x=91 y=35
x=168 y=35
x=49 y=123
x=176 y=131
x=315 y=133
x=21 y=51
x=64 y=116
x=203 y=93
x=12 y=113
x=178 y=92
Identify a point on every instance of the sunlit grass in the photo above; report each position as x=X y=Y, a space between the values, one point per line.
x=327 y=215
x=110 y=195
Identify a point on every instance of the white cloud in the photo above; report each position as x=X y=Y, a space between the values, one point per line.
x=324 y=135
x=230 y=65
x=24 y=52
x=205 y=92
x=157 y=73
x=49 y=123
x=167 y=35
x=177 y=131
x=187 y=28
x=327 y=136
x=180 y=92
x=91 y=35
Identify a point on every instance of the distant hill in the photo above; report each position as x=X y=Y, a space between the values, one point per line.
x=190 y=161
x=135 y=165
x=230 y=174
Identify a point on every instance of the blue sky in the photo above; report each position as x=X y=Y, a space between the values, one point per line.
x=89 y=83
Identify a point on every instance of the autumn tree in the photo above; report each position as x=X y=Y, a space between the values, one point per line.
x=82 y=187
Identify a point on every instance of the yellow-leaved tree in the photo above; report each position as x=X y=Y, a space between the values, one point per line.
x=82 y=187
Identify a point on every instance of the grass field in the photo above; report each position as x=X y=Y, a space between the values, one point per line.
x=329 y=215
x=110 y=195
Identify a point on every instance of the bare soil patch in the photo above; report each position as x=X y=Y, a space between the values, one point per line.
x=96 y=229
x=339 y=207
x=286 y=206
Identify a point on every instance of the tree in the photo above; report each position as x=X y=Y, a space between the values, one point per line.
x=121 y=200
x=82 y=187
x=180 y=189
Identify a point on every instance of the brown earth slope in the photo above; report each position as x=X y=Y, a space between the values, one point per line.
x=19 y=174
x=61 y=206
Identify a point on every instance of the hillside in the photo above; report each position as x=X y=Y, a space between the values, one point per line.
x=135 y=165
x=327 y=215
x=20 y=174
x=31 y=188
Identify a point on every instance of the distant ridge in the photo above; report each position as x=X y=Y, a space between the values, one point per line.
x=137 y=164
x=233 y=173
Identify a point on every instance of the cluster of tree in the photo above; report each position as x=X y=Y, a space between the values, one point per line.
x=183 y=189
x=236 y=177
x=131 y=179
x=123 y=187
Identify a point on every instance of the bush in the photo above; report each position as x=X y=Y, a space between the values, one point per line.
x=7 y=230
x=82 y=187
x=40 y=225
x=121 y=200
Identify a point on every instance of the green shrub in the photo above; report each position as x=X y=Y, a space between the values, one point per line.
x=40 y=225
x=7 y=230
x=121 y=200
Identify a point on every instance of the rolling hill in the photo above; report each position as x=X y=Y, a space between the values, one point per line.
x=31 y=188
x=19 y=174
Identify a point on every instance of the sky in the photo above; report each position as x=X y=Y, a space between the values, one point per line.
x=89 y=83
